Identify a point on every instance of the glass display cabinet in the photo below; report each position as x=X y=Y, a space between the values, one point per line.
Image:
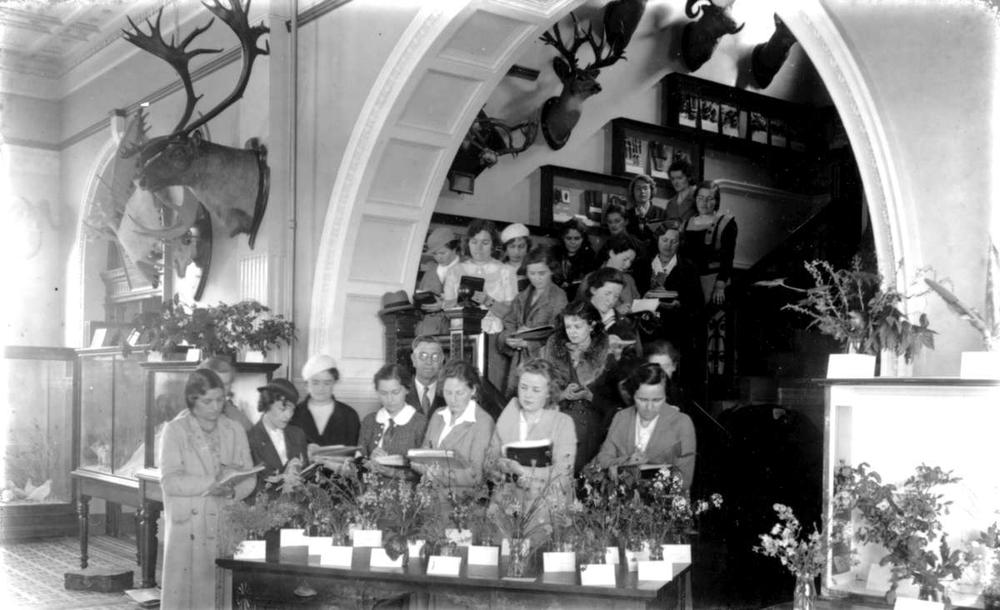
x=895 y=425
x=36 y=499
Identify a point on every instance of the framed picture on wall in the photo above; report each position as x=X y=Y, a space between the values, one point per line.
x=689 y=111
x=709 y=114
x=758 y=127
x=729 y=119
x=568 y=193
x=636 y=152
x=779 y=132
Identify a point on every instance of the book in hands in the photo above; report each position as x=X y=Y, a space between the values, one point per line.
x=533 y=454
x=534 y=333
x=234 y=475
x=469 y=285
x=334 y=451
x=641 y=305
x=446 y=459
x=394 y=461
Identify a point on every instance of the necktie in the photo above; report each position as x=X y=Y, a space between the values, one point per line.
x=425 y=401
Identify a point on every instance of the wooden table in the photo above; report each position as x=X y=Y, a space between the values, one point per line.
x=265 y=584
x=150 y=507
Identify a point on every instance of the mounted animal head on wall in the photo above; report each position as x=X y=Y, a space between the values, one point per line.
x=700 y=38
x=231 y=183
x=560 y=114
x=486 y=141
x=768 y=57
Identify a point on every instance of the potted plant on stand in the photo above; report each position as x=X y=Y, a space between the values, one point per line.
x=852 y=306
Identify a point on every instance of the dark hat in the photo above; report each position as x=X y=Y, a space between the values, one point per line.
x=395 y=301
x=282 y=387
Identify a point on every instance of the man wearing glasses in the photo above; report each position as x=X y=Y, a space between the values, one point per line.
x=427 y=358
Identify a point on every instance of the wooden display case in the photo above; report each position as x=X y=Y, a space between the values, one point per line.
x=642 y=148
x=894 y=425
x=566 y=193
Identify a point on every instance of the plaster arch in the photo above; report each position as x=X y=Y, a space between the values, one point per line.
x=410 y=131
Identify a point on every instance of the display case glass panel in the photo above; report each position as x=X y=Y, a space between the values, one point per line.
x=112 y=413
x=38 y=455
x=895 y=425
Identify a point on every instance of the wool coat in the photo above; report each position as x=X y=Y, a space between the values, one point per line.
x=671 y=442
x=192 y=520
x=525 y=314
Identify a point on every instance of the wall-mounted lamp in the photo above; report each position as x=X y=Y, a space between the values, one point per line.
x=486 y=141
x=700 y=38
x=768 y=57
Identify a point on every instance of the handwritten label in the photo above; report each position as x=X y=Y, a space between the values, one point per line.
x=611 y=555
x=438 y=565
x=559 y=562
x=372 y=538
x=676 y=553
x=251 y=549
x=659 y=571
x=459 y=537
x=906 y=603
x=484 y=555
x=337 y=556
x=597 y=575
x=380 y=559
x=293 y=537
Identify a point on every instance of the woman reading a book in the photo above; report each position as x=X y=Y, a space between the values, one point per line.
x=681 y=206
x=535 y=308
x=576 y=257
x=461 y=427
x=580 y=349
x=619 y=253
x=533 y=448
x=651 y=431
x=325 y=420
x=200 y=454
x=278 y=446
x=387 y=434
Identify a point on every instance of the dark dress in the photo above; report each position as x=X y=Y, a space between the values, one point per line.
x=262 y=451
x=573 y=267
x=341 y=429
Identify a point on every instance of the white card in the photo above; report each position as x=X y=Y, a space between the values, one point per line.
x=415 y=547
x=337 y=556
x=484 y=555
x=293 y=537
x=193 y=355
x=634 y=557
x=597 y=575
x=879 y=577
x=676 y=553
x=660 y=571
x=459 y=537
x=370 y=538
x=251 y=549
x=559 y=562
x=380 y=559
x=438 y=565
x=908 y=603
x=611 y=555
x=318 y=543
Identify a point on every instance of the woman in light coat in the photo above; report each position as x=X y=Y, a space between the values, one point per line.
x=199 y=448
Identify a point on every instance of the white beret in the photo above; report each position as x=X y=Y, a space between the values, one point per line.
x=317 y=364
x=513 y=231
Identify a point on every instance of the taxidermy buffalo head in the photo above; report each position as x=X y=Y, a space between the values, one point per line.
x=700 y=38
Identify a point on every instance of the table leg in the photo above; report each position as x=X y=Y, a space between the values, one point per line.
x=151 y=515
x=82 y=516
x=140 y=531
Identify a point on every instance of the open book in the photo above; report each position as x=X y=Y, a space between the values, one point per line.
x=395 y=460
x=443 y=458
x=537 y=454
x=238 y=474
x=534 y=333
x=334 y=451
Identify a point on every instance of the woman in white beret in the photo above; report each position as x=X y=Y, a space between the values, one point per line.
x=324 y=419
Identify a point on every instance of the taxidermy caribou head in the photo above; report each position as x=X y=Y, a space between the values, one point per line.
x=486 y=141
x=232 y=183
x=561 y=114
x=767 y=57
x=700 y=38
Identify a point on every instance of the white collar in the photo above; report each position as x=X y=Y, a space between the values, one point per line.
x=659 y=267
x=402 y=418
x=468 y=415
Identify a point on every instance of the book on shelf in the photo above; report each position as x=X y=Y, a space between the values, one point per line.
x=444 y=458
x=334 y=451
x=534 y=333
x=536 y=454
x=424 y=297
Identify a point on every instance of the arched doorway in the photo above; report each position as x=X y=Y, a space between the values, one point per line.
x=410 y=132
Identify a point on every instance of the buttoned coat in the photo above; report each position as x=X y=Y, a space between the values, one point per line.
x=192 y=520
x=469 y=440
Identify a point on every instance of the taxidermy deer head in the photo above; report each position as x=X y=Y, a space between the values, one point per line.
x=486 y=141
x=232 y=183
x=561 y=114
x=768 y=57
x=700 y=38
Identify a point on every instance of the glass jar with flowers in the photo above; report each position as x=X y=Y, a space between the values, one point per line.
x=523 y=520
x=804 y=557
x=407 y=507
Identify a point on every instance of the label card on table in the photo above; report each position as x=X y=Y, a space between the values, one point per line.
x=318 y=543
x=293 y=537
x=337 y=556
x=559 y=562
x=879 y=577
x=676 y=553
x=372 y=538
x=659 y=571
x=907 y=603
x=380 y=559
x=611 y=555
x=634 y=557
x=251 y=549
x=415 y=547
x=484 y=555
x=598 y=575
x=439 y=565
x=459 y=537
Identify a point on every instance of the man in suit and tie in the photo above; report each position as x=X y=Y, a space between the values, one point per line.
x=428 y=358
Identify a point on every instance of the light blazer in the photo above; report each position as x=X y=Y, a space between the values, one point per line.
x=524 y=313
x=468 y=440
x=191 y=519
x=553 y=425
x=672 y=442
x=262 y=450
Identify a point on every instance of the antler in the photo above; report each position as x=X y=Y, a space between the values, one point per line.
x=580 y=36
x=174 y=54
x=485 y=126
x=236 y=19
x=554 y=39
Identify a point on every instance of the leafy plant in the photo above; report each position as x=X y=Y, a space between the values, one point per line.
x=851 y=306
x=804 y=557
x=220 y=329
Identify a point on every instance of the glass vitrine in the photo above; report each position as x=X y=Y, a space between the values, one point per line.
x=895 y=425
